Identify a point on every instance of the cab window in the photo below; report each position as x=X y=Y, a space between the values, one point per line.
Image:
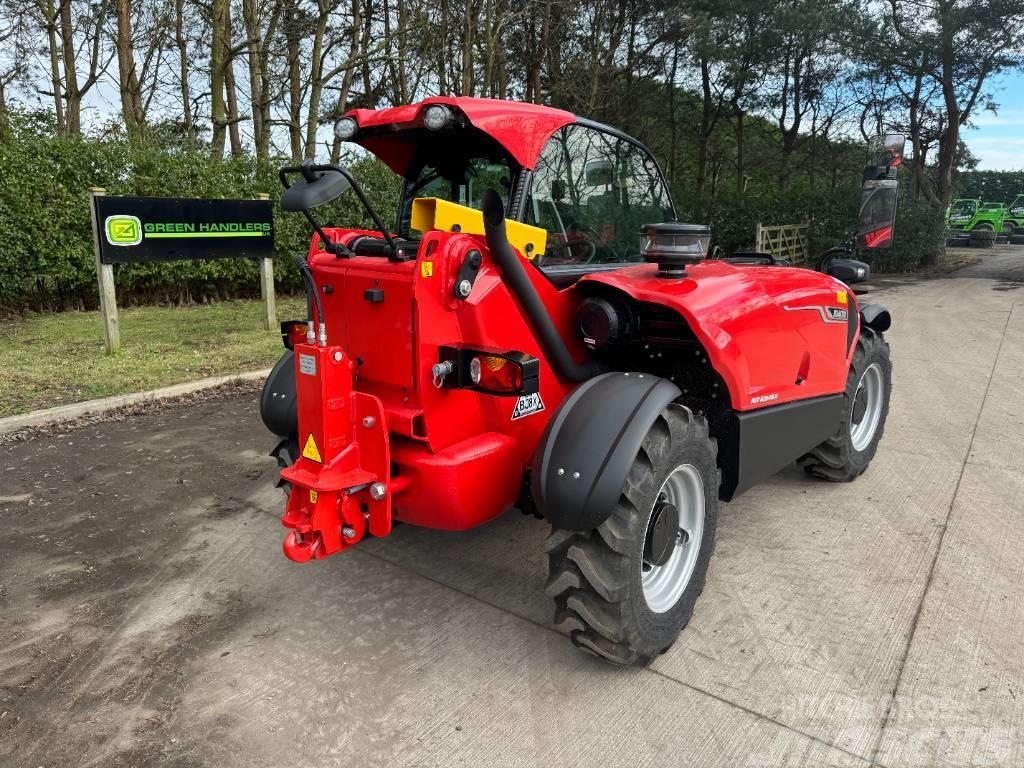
x=593 y=191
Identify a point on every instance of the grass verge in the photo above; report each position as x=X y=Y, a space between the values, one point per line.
x=54 y=359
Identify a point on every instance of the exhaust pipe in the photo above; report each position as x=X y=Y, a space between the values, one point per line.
x=514 y=275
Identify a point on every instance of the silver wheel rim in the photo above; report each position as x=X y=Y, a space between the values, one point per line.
x=871 y=387
x=664 y=584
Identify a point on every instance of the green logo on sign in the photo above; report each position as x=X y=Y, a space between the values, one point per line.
x=123 y=230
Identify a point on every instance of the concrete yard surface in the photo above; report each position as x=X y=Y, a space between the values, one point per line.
x=150 y=619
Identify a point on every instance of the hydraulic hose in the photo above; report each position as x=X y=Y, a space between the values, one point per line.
x=515 y=277
x=312 y=294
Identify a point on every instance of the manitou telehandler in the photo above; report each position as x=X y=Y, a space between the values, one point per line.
x=537 y=330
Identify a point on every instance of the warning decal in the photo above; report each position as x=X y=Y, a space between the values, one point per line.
x=527 y=404
x=310 y=451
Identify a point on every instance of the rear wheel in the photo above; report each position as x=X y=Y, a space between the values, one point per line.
x=845 y=455
x=287 y=453
x=627 y=588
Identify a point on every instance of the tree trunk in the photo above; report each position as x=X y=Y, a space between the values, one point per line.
x=740 y=165
x=186 y=95
x=218 y=54
x=131 y=93
x=230 y=91
x=50 y=17
x=467 y=50
x=72 y=96
x=706 y=124
x=294 y=81
x=254 y=60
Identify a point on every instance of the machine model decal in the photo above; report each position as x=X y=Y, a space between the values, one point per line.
x=307 y=364
x=527 y=405
x=764 y=398
x=310 y=451
x=828 y=314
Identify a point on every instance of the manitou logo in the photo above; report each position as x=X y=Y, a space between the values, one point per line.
x=837 y=313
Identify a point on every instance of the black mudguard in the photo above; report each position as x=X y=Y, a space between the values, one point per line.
x=876 y=317
x=590 y=443
x=278 y=406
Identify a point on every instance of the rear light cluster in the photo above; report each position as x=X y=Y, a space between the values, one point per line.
x=293 y=332
x=488 y=371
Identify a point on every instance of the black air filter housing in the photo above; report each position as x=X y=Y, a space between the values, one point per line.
x=674 y=246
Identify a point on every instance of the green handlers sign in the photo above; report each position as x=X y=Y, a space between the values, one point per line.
x=133 y=229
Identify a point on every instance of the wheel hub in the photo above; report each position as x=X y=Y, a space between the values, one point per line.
x=673 y=540
x=662 y=533
x=860 y=405
x=867 y=407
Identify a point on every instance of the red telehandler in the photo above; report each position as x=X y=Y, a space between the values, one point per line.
x=539 y=331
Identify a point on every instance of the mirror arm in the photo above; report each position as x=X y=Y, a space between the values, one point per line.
x=369 y=208
x=338 y=249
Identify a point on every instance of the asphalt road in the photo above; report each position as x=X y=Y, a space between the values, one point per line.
x=147 y=616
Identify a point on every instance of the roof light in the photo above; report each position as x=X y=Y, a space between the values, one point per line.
x=346 y=128
x=436 y=116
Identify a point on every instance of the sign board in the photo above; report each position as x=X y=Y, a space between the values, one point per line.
x=134 y=229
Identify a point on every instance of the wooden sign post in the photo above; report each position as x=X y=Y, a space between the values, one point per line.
x=105 y=278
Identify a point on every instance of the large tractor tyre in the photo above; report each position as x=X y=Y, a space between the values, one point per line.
x=1017 y=240
x=627 y=588
x=845 y=455
x=983 y=238
x=1018 y=230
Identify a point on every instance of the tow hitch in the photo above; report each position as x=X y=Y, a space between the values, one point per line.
x=340 y=483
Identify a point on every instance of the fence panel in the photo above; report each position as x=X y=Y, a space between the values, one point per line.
x=785 y=241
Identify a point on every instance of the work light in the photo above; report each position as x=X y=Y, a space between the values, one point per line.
x=346 y=128
x=436 y=116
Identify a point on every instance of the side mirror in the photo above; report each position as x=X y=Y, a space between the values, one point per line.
x=315 y=190
x=887 y=149
x=877 y=215
x=849 y=271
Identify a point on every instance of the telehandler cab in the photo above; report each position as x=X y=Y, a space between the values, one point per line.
x=538 y=331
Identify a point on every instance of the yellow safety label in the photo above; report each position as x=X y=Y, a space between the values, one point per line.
x=310 y=451
x=427 y=268
x=313 y=496
x=841 y=297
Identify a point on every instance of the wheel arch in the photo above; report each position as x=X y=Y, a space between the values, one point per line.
x=585 y=453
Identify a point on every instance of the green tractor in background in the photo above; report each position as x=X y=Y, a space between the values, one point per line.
x=1014 y=222
x=975 y=222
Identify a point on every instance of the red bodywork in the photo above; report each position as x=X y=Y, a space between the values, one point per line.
x=455 y=458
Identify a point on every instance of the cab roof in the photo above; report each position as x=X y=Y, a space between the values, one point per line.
x=521 y=129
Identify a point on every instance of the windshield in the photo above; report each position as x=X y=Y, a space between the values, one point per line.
x=456 y=171
x=963 y=208
x=593 y=191
x=1017 y=206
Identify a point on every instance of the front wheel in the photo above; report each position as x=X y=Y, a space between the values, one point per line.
x=845 y=455
x=627 y=588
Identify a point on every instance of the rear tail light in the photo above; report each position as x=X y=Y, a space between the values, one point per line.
x=293 y=332
x=494 y=373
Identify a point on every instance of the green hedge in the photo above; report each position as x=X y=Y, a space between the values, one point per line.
x=46 y=250
x=733 y=218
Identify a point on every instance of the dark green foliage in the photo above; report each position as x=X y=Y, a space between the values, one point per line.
x=991 y=186
x=46 y=257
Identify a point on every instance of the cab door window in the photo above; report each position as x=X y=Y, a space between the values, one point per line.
x=593 y=191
